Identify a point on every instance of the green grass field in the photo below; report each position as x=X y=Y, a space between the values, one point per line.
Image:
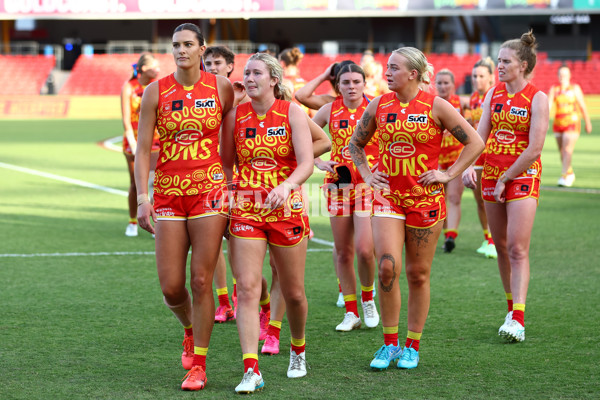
x=82 y=313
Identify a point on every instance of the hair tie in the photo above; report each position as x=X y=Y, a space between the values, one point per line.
x=135 y=70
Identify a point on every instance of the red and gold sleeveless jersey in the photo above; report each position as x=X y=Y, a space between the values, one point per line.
x=475 y=103
x=188 y=121
x=342 y=122
x=509 y=136
x=451 y=147
x=409 y=144
x=566 y=106
x=135 y=103
x=265 y=158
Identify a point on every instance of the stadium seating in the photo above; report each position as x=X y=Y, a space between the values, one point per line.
x=24 y=74
x=105 y=74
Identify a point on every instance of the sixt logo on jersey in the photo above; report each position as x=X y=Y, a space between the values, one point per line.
x=276 y=131
x=187 y=136
x=519 y=112
x=417 y=118
x=204 y=103
x=402 y=149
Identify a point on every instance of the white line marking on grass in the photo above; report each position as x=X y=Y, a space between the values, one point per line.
x=570 y=189
x=64 y=179
x=109 y=144
x=321 y=241
x=106 y=253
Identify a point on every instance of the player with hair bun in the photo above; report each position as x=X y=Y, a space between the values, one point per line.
x=513 y=124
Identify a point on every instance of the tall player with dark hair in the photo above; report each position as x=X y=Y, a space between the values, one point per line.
x=187 y=107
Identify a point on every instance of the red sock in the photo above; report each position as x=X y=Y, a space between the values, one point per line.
x=340 y=287
x=414 y=343
x=265 y=307
x=366 y=295
x=189 y=332
x=451 y=233
x=390 y=338
x=251 y=363
x=298 y=349
x=199 y=360
x=224 y=300
x=273 y=331
x=519 y=316
x=234 y=290
x=352 y=306
x=510 y=306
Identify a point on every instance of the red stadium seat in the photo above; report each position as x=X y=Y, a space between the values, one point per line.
x=24 y=74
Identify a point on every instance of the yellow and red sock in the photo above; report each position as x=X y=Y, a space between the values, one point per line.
x=298 y=345
x=223 y=296
x=509 y=301
x=234 y=288
x=453 y=233
x=274 y=329
x=200 y=356
x=366 y=293
x=265 y=305
x=519 y=313
x=413 y=339
x=488 y=236
x=390 y=335
x=188 y=331
x=339 y=285
x=351 y=304
x=250 y=361
x=133 y=221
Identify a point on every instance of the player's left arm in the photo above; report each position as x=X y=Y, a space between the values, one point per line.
x=583 y=109
x=303 y=150
x=446 y=116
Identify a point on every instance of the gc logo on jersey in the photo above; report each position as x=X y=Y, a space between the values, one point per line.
x=204 y=103
x=187 y=136
x=263 y=163
x=519 y=112
x=276 y=131
x=505 y=137
x=402 y=149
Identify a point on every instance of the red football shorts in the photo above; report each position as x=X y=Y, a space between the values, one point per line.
x=285 y=233
x=517 y=189
x=349 y=200
x=182 y=208
x=420 y=215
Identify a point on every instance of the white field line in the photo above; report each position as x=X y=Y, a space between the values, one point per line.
x=110 y=144
x=63 y=179
x=107 y=253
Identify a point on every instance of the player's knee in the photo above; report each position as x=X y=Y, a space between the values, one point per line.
x=199 y=283
x=417 y=277
x=387 y=270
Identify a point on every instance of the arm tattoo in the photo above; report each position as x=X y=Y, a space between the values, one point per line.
x=420 y=237
x=361 y=131
x=390 y=258
x=358 y=154
x=459 y=133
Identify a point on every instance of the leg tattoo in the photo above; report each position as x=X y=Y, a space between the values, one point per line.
x=390 y=258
